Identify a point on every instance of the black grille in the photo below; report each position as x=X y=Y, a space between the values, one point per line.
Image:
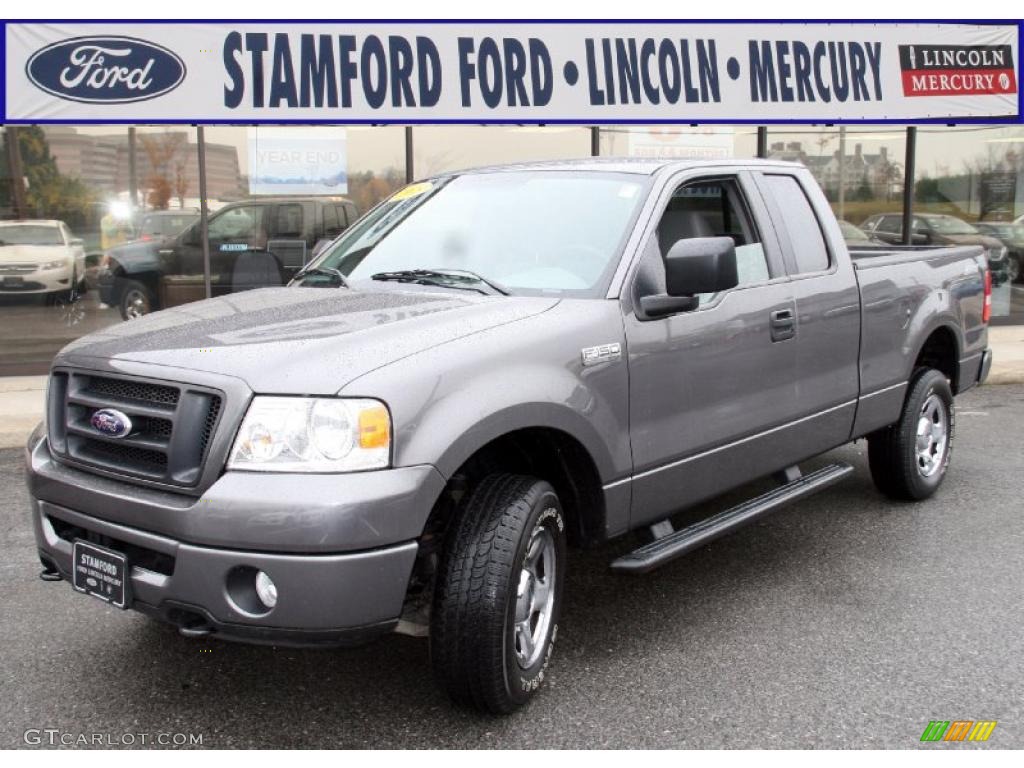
x=124 y=455
x=210 y=424
x=127 y=389
x=172 y=426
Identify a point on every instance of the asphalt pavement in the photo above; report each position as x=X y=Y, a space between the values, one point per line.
x=844 y=621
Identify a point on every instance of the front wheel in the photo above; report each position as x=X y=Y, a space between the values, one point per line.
x=909 y=459
x=498 y=594
x=136 y=300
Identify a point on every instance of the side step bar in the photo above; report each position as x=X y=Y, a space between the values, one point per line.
x=673 y=545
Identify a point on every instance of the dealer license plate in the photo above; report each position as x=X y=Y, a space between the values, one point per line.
x=100 y=572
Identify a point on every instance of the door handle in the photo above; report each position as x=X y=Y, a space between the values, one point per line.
x=783 y=324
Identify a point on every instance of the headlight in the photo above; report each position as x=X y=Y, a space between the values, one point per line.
x=997 y=254
x=53 y=264
x=304 y=434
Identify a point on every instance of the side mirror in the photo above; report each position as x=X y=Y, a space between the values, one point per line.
x=919 y=238
x=693 y=266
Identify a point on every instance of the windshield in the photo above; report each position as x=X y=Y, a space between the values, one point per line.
x=1014 y=231
x=853 y=233
x=30 y=234
x=531 y=232
x=951 y=225
x=166 y=225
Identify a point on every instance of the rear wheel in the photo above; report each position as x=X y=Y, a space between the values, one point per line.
x=498 y=594
x=909 y=459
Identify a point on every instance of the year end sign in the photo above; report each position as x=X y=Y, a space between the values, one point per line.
x=478 y=72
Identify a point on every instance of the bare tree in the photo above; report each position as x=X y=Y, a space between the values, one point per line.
x=161 y=149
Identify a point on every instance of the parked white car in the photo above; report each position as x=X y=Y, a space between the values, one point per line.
x=39 y=256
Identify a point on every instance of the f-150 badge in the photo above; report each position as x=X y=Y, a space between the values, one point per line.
x=603 y=353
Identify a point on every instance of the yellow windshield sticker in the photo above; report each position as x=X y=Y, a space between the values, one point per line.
x=412 y=191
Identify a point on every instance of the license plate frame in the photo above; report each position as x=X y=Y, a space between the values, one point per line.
x=100 y=572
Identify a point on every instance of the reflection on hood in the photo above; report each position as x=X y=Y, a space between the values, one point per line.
x=321 y=337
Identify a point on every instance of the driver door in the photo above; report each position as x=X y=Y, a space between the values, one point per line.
x=707 y=386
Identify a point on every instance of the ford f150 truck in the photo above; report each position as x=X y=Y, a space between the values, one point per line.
x=487 y=368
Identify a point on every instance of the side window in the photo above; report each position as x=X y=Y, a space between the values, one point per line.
x=288 y=221
x=343 y=218
x=242 y=223
x=714 y=208
x=891 y=224
x=331 y=227
x=801 y=224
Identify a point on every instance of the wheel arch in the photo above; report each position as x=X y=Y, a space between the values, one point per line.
x=543 y=441
x=940 y=350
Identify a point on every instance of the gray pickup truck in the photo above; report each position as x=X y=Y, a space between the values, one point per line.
x=487 y=368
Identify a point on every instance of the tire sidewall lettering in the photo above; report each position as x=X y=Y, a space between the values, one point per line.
x=530 y=683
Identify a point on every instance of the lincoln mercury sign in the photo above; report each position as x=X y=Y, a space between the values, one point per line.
x=523 y=71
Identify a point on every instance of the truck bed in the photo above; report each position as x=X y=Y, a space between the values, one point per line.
x=905 y=293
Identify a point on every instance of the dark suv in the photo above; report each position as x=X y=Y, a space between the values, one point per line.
x=253 y=244
x=940 y=229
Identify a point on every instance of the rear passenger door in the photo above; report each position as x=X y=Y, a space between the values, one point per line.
x=827 y=308
x=708 y=386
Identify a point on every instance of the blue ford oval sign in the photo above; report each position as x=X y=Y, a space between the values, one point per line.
x=111 y=70
x=111 y=422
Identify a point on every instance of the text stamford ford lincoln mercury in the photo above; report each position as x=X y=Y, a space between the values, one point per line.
x=487 y=368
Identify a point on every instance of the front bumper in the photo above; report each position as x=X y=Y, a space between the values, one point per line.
x=341 y=567
x=49 y=281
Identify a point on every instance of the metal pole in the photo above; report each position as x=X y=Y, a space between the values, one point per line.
x=595 y=141
x=762 y=141
x=133 y=171
x=17 y=176
x=908 y=183
x=204 y=211
x=842 y=171
x=410 y=168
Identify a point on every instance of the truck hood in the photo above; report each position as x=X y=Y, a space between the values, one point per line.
x=33 y=254
x=298 y=340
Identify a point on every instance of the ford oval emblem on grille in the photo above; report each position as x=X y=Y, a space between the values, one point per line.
x=109 y=69
x=111 y=422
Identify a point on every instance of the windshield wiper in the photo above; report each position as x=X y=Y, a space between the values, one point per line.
x=329 y=271
x=444 y=277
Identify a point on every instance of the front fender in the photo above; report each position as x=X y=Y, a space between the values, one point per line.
x=451 y=429
x=451 y=400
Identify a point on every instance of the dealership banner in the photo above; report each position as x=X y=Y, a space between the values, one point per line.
x=589 y=72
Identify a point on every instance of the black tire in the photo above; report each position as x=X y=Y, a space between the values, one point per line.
x=473 y=637
x=897 y=468
x=135 y=300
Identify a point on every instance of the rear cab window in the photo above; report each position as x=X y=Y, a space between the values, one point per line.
x=805 y=245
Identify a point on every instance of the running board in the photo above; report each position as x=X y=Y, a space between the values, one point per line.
x=673 y=545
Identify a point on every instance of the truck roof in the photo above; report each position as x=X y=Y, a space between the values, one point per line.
x=646 y=166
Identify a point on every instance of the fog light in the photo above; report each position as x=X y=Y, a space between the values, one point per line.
x=266 y=590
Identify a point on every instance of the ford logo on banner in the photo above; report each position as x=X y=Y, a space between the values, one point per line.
x=105 y=70
x=111 y=422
